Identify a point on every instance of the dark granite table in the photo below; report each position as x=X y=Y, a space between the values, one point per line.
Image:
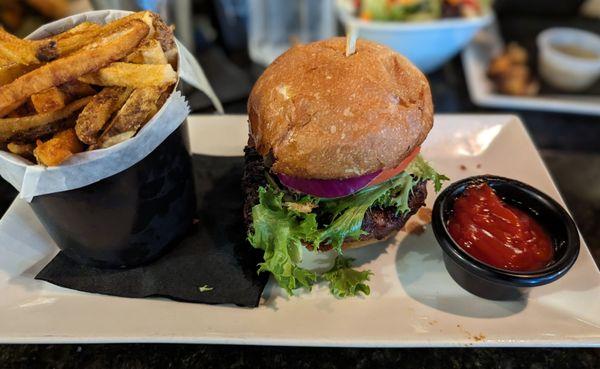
x=570 y=146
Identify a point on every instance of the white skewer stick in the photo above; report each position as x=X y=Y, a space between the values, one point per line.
x=351 y=36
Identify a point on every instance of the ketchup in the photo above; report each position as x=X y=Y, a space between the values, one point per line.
x=498 y=234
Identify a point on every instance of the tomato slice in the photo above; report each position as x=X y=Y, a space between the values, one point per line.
x=390 y=173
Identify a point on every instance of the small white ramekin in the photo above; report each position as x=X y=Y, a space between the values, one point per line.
x=563 y=71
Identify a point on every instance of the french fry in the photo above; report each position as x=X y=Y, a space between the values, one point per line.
x=15 y=127
x=132 y=75
x=71 y=67
x=22 y=149
x=70 y=41
x=58 y=149
x=163 y=97
x=10 y=72
x=96 y=114
x=49 y=100
x=81 y=28
x=163 y=33
x=32 y=52
x=24 y=52
x=140 y=105
x=112 y=141
x=149 y=53
x=4 y=62
x=10 y=108
x=76 y=89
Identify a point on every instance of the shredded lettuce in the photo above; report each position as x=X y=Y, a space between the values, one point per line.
x=345 y=281
x=280 y=228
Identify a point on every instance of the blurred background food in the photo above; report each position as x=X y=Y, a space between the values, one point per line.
x=418 y=10
x=254 y=32
x=428 y=32
x=21 y=17
x=511 y=73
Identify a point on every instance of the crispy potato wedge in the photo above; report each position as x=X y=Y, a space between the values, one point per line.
x=132 y=75
x=5 y=61
x=23 y=149
x=96 y=114
x=49 y=100
x=163 y=33
x=73 y=66
x=32 y=52
x=58 y=149
x=25 y=52
x=10 y=72
x=136 y=111
x=71 y=41
x=77 y=89
x=78 y=29
x=112 y=141
x=149 y=53
x=15 y=127
x=12 y=107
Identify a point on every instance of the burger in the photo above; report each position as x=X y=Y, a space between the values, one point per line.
x=332 y=160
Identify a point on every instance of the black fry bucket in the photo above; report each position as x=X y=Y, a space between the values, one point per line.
x=127 y=219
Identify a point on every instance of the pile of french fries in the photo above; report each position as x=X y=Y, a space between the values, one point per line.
x=90 y=87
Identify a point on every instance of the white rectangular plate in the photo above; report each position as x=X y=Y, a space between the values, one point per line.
x=413 y=301
x=476 y=58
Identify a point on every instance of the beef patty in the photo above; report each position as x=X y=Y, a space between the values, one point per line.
x=378 y=222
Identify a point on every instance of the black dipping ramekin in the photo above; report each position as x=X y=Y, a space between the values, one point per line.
x=493 y=283
x=130 y=218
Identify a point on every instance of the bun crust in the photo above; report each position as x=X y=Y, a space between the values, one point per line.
x=327 y=116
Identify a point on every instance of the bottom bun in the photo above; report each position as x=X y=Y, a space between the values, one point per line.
x=363 y=243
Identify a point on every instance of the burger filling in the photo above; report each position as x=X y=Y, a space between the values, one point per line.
x=281 y=222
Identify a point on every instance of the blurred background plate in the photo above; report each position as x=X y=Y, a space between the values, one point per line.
x=476 y=58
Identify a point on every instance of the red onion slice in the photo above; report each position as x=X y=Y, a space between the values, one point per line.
x=328 y=188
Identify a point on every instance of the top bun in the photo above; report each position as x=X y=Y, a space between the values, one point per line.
x=323 y=115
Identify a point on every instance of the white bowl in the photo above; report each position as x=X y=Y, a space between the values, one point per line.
x=564 y=71
x=428 y=44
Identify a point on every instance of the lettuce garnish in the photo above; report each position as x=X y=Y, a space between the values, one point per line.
x=345 y=281
x=281 y=227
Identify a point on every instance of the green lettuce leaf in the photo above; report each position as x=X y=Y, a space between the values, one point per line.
x=280 y=228
x=345 y=281
x=421 y=169
x=279 y=233
x=349 y=212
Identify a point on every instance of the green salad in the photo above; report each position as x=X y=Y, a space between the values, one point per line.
x=419 y=10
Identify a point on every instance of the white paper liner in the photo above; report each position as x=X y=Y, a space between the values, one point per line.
x=92 y=166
